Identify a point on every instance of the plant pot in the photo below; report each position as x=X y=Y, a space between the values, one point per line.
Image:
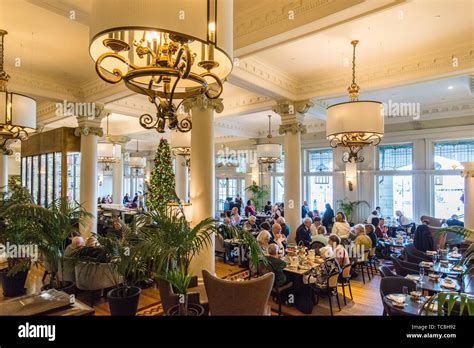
x=66 y=286
x=194 y=310
x=121 y=304
x=15 y=285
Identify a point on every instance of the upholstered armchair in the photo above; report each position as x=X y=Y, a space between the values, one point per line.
x=249 y=297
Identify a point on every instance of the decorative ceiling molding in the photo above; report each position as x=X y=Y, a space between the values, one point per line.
x=63 y=9
x=236 y=130
x=258 y=26
x=241 y=105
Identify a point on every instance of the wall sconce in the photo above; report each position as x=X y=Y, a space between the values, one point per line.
x=351 y=187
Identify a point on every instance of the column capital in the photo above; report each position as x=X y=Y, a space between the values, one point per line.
x=468 y=170
x=203 y=102
x=292 y=115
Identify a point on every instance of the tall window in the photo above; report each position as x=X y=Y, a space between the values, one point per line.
x=448 y=185
x=395 y=180
x=318 y=178
x=229 y=188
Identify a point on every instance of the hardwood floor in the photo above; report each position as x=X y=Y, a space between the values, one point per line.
x=366 y=296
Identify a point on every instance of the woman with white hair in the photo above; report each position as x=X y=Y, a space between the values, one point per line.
x=250 y=225
x=341 y=228
x=285 y=229
x=264 y=237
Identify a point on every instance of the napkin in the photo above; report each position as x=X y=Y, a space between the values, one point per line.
x=448 y=285
x=413 y=277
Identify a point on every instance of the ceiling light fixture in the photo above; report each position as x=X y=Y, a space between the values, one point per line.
x=181 y=146
x=269 y=153
x=354 y=124
x=165 y=50
x=107 y=152
x=17 y=111
x=136 y=162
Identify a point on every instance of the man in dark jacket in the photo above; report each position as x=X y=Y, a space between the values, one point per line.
x=303 y=233
x=423 y=240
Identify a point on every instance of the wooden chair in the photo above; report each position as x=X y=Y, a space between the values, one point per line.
x=345 y=278
x=329 y=288
x=362 y=263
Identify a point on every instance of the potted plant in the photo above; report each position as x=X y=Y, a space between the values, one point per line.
x=54 y=224
x=169 y=243
x=15 y=232
x=348 y=207
x=258 y=195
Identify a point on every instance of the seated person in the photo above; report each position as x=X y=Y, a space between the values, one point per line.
x=454 y=239
x=234 y=216
x=340 y=253
x=268 y=208
x=320 y=236
x=361 y=239
x=227 y=221
x=278 y=238
x=340 y=226
x=264 y=237
x=303 y=233
x=370 y=232
x=76 y=243
x=250 y=225
x=326 y=252
x=285 y=229
x=315 y=225
x=249 y=209
x=277 y=265
x=319 y=275
x=423 y=240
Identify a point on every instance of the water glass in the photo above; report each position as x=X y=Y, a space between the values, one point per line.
x=405 y=290
x=422 y=274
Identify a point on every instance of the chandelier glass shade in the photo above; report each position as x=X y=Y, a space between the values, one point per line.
x=269 y=153
x=181 y=145
x=108 y=154
x=166 y=50
x=137 y=162
x=17 y=111
x=355 y=124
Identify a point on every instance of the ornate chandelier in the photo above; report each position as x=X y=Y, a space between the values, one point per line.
x=269 y=153
x=181 y=146
x=17 y=111
x=165 y=50
x=355 y=124
x=108 y=152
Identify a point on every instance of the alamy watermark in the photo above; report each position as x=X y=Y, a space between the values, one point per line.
x=401 y=109
x=19 y=251
x=67 y=108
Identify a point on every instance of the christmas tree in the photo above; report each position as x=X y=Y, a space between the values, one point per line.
x=161 y=190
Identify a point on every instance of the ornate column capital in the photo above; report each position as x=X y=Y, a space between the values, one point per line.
x=204 y=103
x=468 y=170
x=88 y=125
x=292 y=115
x=118 y=140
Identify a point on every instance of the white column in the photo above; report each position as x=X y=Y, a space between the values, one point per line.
x=292 y=116
x=203 y=171
x=468 y=174
x=3 y=171
x=89 y=130
x=181 y=178
x=117 y=170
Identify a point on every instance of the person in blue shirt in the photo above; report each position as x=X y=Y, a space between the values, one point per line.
x=305 y=209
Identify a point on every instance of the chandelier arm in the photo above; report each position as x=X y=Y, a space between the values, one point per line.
x=219 y=85
x=170 y=100
x=116 y=72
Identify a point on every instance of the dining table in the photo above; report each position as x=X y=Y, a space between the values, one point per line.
x=434 y=286
x=411 y=306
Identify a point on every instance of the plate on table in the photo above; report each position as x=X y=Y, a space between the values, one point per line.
x=426 y=264
x=455 y=255
x=413 y=277
x=431 y=252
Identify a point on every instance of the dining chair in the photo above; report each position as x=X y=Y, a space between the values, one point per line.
x=278 y=294
x=362 y=263
x=345 y=278
x=404 y=268
x=387 y=272
x=416 y=256
x=329 y=287
x=394 y=285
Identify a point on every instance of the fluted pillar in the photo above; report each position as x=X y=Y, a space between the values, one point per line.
x=89 y=130
x=203 y=171
x=468 y=174
x=3 y=171
x=181 y=178
x=292 y=116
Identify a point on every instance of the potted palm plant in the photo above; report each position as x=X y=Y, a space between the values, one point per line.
x=54 y=224
x=348 y=207
x=169 y=243
x=258 y=194
x=15 y=231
